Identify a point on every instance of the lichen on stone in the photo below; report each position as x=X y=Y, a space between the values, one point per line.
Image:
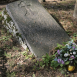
x=8 y=19
x=1 y=18
x=10 y=26
x=18 y=34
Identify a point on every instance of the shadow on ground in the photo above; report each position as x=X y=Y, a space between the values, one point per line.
x=60 y=6
x=3 y=2
x=57 y=20
x=2 y=63
x=3 y=59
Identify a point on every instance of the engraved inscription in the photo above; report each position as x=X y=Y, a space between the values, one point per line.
x=27 y=7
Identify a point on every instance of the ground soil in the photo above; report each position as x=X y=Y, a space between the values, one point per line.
x=12 y=61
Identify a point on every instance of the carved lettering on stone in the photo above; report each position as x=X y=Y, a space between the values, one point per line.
x=27 y=6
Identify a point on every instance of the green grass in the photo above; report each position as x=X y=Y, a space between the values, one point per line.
x=7 y=55
x=75 y=34
x=0 y=12
x=11 y=74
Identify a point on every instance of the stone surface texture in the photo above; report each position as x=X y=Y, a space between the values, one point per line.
x=37 y=27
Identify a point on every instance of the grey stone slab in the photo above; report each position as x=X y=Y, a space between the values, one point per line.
x=37 y=26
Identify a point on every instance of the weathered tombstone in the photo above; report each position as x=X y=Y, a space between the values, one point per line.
x=37 y=27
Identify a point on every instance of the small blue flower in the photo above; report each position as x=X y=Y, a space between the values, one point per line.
x=55 y=59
